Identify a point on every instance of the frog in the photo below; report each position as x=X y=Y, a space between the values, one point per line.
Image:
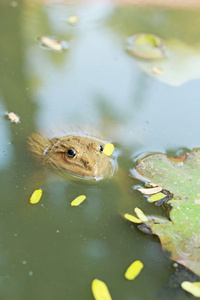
x=79 y=155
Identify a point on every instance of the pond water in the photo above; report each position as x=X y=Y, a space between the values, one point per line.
x=52 y=250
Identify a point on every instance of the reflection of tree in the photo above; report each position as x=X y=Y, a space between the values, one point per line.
x=166 y=23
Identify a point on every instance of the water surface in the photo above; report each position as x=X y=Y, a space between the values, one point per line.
x=51 y=250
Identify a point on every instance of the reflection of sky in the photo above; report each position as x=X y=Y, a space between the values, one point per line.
x=150 y=116
x=6 y=150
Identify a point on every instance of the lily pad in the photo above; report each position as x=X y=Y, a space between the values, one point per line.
x=181 y=65
x=181 y=235
x=146 y=46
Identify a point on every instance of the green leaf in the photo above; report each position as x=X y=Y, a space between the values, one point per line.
x=181 y=237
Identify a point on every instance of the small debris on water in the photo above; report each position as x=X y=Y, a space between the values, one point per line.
x=150 y=191
x=14 y=117
x=52 y=43
x=157 y=70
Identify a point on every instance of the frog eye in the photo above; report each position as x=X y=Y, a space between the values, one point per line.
x=101 y=148
x=71 y=152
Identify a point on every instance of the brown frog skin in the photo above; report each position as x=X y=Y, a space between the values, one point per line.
x=80 y=156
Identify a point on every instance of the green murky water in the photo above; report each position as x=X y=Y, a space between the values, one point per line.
x=51 y=250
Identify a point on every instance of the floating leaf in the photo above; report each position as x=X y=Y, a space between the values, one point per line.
x=52 y=43
x=36 y=196
x=140 y=214
x=13 y=117
x=156 y=197
x=108 y=149
x=100 y=290
x=182 y=64
x=146 y=46
x=191 y=287
x=132 y=218
x=77 y=201
x=150 y=191
x=73 y=20
x=134 y=270
x=181 y=237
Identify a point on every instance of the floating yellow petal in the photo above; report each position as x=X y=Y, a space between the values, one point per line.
x=100 y=290
x=108 y=149
x=77 y=201
x=36 y=196
x=72 y=20
x=140 y=214
x=156 y=197
x=191 y=287
x=132 y=218
x=134 y=270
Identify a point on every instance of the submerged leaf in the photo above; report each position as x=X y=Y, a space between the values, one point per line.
x=108 y=149
x=78 y=200
x=180 y=237
x=134 y=270
x=191 y=287
x=146 y=46
x=36 y=196
x=100 y=290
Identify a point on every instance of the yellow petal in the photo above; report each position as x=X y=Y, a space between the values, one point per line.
x=191 y=287
x=108 y=149
x=140 y=214
x=77 y=201
x=132 y=218
x=100 y=290
x=133 y=270
x=72 y=20
x=156 y=197
x=36 y=196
